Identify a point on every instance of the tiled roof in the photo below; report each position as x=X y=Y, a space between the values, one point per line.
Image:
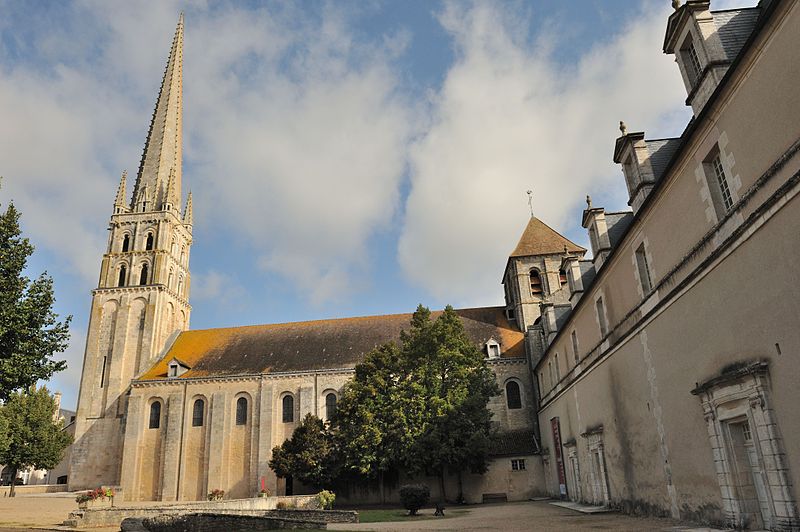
x=661 y=152
x=540 y=239
x=515 y=443
x=734 y=26
x=315 y=345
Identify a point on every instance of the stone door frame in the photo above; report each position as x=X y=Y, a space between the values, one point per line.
x=743 y=393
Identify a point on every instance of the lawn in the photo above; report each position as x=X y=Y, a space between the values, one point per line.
x=395 y=514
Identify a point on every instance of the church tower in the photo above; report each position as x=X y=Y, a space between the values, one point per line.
x=142 y=298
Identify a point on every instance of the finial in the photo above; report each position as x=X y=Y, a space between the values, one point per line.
x=676 y=4
x=623 y=128
x=588 y=201
x=530 y=201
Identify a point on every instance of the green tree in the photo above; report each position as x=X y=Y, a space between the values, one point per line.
x=308 y=456
x=30 y=333
x=378 y=416
x=421 y=406
x=33 y=439
x=456 y=385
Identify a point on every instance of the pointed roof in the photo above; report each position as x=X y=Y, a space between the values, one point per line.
x=541 y=239
x=163 y=148
x=119 y=202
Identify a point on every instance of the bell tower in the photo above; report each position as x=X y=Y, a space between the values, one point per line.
x=142 y=296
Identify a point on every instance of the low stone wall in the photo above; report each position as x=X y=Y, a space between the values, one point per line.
x=326 y=516
x=108 y=516
x=212 y=522
x=31 y=489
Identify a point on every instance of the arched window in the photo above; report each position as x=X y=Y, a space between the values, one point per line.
x=513 y=399
x=536 y=283
x=241 y=411
x=330 y=406
x=198 y=412
x=288 y=409
x=562 y=277
x=149 y=242
x=126 y=243
x=143 y=276
x=123 y=274
x=155 y=415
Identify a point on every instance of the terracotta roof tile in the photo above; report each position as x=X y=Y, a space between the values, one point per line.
x=315 y=345
x=541 y=239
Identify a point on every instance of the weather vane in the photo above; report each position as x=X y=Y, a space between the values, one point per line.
x=530 y=201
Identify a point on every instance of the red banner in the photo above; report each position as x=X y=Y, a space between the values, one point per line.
x=562 y=471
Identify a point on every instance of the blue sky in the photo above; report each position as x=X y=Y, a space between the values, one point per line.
x=346 y=158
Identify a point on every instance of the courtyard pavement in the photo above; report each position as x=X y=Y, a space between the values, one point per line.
x=528 y=516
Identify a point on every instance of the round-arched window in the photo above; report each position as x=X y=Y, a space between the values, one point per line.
x=155 y=415
x=288 y=409
x=536 y=283
x=198 y=413
x=241 y=411
x=513 y=398
x=330 y=406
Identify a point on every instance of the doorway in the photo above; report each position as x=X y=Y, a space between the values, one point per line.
x=749 y=476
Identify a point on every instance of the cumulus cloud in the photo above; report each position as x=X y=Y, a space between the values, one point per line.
x=508 y=118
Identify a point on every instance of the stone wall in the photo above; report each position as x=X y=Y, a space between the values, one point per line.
x=213 y=522
x=327 y=516
x=113 y=516
x=34 y=488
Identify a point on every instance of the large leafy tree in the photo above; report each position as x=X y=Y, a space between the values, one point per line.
x=308 y=456
x=379 y=415
x=30 y=333
x=421 y=406
x=456 y=385
x=32 y=438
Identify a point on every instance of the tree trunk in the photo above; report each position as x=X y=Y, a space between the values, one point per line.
x=382 y=488
x=441 y=485
x=460 y=489
x=13 y=492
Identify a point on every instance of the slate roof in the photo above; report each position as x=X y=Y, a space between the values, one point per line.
x=587 y=273
x=515 y=443
x=541 y=239
x=315 y=345
x=734 y=26
x=617 y=223
x=661 y=152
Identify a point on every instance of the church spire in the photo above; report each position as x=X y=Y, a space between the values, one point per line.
x=119 y=202
x=163 y=148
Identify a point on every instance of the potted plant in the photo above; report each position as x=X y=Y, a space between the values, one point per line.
x=216 y=495
x=264 y=493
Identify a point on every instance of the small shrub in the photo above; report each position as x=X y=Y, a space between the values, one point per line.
x=414 y=497
x=216 y=495
x=264 y=493
x=325 y=499
x=281 y=505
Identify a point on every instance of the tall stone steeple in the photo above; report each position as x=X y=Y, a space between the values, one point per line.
x=142 y=297
x=163 y=149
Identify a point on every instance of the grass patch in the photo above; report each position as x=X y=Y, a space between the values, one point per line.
x=394 y=514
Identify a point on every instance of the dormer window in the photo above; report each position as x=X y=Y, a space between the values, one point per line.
x=176 y=368
x=492 y=348
x=691 y=60
x=536 y=283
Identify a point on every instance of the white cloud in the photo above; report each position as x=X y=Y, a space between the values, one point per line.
x=509 y=118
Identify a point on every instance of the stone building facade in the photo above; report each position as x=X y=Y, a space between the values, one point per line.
x=658 y=375
x=670 y=387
